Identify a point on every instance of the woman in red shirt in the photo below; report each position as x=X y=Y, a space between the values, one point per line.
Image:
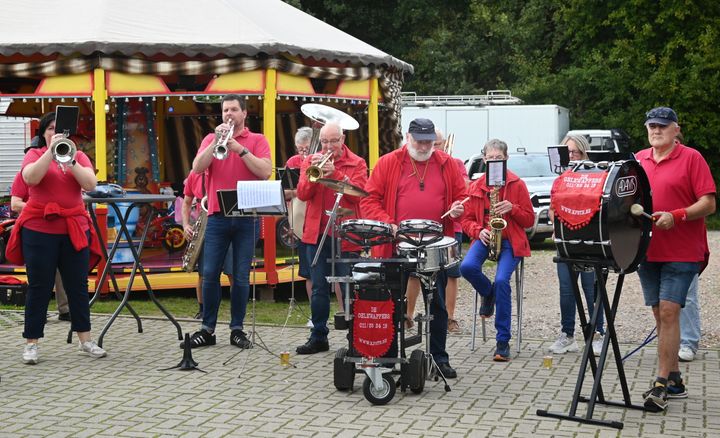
x=54 y=232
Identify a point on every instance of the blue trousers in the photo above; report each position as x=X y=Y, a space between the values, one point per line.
x=566 y=278
x=321 y=289
x=221 y=231
x=471 y=270
x=44 y=254
x=690 y=318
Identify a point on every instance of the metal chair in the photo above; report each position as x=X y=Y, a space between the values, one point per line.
x=519 y=281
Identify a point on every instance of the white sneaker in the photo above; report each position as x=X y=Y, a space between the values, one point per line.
x=309 y=324
x=597 y=343
x=92 y=349
x=30 y=354
x=564 y=344
x=686 y=354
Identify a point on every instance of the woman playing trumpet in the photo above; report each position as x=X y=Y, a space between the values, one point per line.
x=53 y=233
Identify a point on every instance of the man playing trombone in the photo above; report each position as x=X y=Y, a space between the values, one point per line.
x=231 y=154
x=337 y=162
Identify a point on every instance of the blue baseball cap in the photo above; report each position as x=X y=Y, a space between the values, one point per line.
x=422 y=130
x=661 y=115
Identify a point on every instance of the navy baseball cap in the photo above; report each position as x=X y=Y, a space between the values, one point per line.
x=422 y=130
x=661 y=115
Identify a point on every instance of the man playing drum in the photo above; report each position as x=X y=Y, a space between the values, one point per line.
x=683 y=194
x=417 y=182
x=344 y=165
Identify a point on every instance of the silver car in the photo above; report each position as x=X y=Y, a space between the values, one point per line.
x=534 y=169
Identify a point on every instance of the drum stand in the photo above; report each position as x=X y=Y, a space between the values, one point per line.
x=293 y=302
x=428 y=284
x=596 y=394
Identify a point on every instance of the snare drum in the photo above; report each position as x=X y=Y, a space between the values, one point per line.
x=419 y=231
x=431 y=257
x=613 y=236
x=366 y=232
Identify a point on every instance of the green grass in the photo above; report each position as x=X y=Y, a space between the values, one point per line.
x=182 y=304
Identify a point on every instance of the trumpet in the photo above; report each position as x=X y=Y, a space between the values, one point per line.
x=63 y=151
x=314 y=172
x=221 y=150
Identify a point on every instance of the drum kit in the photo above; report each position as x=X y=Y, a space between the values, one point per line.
x=421 y=250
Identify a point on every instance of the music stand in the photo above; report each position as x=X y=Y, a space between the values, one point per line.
x=559 y=157
x=267 y=200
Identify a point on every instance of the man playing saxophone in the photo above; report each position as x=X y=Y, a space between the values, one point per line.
x=510 y=202
x=247 y=158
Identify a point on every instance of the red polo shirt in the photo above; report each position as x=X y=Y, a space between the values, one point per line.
x=677 y=181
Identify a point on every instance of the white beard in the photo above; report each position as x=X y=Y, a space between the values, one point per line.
x=418 y=156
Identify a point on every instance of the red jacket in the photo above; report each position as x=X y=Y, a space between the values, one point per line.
x=520 y=217
x=349 y=167
x=72 y=216
x=383 y=184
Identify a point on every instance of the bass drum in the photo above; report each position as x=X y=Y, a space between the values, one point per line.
x=613 y=236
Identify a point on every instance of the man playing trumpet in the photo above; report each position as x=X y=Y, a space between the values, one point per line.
x=247 y=158
x=335 y=161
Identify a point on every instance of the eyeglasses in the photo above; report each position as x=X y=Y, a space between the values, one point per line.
x=330 y=141
x=494 y=158
x=574 y=152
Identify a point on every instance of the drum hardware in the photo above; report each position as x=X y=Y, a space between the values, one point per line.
x=443 y=254
x=418 y=232
x=342 y=187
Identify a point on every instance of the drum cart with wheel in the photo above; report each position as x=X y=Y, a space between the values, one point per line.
x=384 y=281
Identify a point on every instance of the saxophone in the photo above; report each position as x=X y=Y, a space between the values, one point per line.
x=194 y=247
x=497 y=225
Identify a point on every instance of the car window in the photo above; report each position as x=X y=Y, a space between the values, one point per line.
x=527 y=166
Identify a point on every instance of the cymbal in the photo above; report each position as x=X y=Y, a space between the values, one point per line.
x=342 y=187
x=327 y=114
x=342 y=212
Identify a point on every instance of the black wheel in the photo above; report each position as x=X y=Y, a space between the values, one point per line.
x=285 y=234
x=174 y=239
x=343 y=372
x=417 y=371
x=381 y=396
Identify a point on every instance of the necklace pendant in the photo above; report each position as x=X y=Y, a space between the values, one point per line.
x=422 y=186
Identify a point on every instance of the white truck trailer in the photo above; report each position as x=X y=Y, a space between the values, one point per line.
x=476 y=119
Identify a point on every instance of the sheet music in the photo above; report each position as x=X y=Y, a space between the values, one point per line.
x=495 y=173
x=255 y=194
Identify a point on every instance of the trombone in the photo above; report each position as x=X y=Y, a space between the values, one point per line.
x=314 y=172
x=221 y=150
x=449 y=144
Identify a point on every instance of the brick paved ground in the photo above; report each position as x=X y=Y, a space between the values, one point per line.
x=125 y=394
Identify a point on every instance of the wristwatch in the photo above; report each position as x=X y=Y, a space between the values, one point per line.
x=244 y=152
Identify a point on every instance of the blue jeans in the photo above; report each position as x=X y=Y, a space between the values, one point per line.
x=44 y=254
x=471 y=270
x=690 y=318
x=243 y=233
x=321 y=289
x=567 y=277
